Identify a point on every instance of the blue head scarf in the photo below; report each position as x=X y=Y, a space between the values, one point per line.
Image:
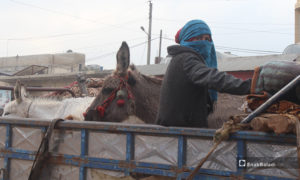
x=205 y=48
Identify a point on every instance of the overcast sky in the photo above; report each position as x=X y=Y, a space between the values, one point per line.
x=97 y=27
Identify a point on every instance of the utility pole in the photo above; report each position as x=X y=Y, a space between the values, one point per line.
x=159 y=51
x=297 y=22
x=149 y=34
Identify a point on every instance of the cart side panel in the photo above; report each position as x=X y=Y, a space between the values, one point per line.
x=156 y=149
x=19 y=169
x=223 y=159
x=26 y=138
x=273 y=153
x=65 y=142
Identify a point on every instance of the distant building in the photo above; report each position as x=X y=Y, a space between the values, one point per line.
x=93 y=67
x=42 y=64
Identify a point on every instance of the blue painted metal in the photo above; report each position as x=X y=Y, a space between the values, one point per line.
x=14 y=150
x=158 y=172
x=117 y=166
x=83 y=152
x=8 y=142
x=181 y=156
x=153 y=165
x=17 y=156
x=246 y=176
x=153 y=130
x=214 y=172
x=181 y=151
x=129 y=150
x=84 y=140
x=82 y=173
x=103 y=160
x=259 y=177
x=128 y=165
x=8 y=136
x=106 y=166
x=241 y=156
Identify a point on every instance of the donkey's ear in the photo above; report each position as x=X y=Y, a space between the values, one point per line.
x=24 y=93
x=17 y=92
x=123 y=59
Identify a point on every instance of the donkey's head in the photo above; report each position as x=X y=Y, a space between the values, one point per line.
x=115 y=102
x=19 y=106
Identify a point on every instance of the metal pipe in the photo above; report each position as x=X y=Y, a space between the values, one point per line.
x=40 y=89
x=272 y=99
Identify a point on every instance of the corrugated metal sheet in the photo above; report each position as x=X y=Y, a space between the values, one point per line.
x=250 y=62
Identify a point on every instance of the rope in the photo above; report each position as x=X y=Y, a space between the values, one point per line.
x=28 y=109
x=221 y=134
x=43 y=152
x=194 y=172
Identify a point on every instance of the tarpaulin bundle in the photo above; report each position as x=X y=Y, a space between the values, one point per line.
x=273 y=76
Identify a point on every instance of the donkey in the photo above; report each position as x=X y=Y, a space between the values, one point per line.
x=45 y=108
x=126 y=92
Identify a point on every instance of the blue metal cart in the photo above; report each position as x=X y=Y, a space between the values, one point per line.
x=86 y=149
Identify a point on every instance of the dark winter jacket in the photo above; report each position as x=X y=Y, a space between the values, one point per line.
x=184 y=98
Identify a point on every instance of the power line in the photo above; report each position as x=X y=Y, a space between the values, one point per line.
x=52 y=11
x=64 y=34
x=64 y=14
x=169 y=39
x=114 y=52
x=43 y=37
x=224 y=22
x=252 y=30
x=240 y=49
x=96 y=46
x=243 y=29
x=250 y=50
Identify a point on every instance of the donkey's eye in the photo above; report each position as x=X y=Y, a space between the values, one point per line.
x=107 y=90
